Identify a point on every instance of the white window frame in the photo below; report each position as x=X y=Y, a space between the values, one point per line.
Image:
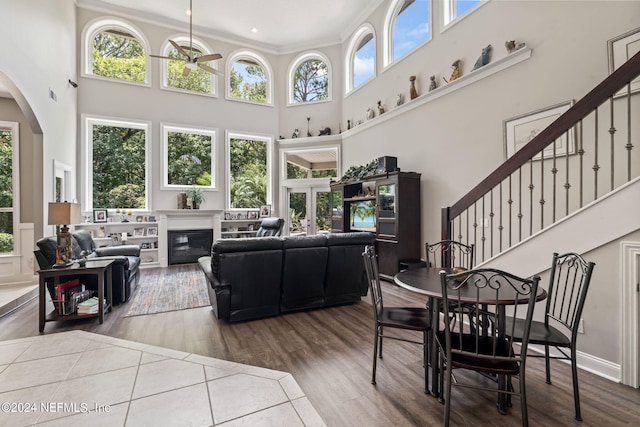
x=255 y=57
x=165 y=128
x=286 y=151
x=268 y=139
x=363 y=31
x=387 y=35
x=14 y=127
x=111 y=23
x=295 y=64
x=164 y=65
x=449 y=17
x=88 y=121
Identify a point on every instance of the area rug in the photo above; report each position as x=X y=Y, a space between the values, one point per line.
x=169 y=289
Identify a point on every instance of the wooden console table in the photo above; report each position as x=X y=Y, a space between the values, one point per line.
x=97 y=267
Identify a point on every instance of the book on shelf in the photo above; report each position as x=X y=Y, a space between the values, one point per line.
x=90 y=306
x=64 y=293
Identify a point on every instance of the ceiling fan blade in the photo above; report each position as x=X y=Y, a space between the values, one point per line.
x=211 y=70
x=180 y=49
x=166 y=57
x=211 y=57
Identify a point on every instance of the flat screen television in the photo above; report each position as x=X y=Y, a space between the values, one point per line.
x=363 y=216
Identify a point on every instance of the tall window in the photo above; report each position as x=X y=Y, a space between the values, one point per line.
x=407 y=26
x=197 y=80
x=361 y=57
x=116 y=164
x=116 y=50
x=188 y=157
x=453 y=9
x=249 y=78
x=8 y=184
x=248 y=159
x=309 y=79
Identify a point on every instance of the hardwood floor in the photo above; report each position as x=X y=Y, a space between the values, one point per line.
x=329 y=353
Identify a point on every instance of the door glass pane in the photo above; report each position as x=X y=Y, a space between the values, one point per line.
x=323 y=212
x=297 y=214
x=387 y=200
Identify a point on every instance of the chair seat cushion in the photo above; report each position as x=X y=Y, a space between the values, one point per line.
x=405 y=317
x=485 y=350
x=540 y=334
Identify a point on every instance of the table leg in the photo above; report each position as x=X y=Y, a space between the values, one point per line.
x=435 y=324
x=42 y=303
x=109 y=287
x=101 y=297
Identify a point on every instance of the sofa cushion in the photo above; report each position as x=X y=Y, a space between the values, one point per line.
x=303 y=273
x=84 y=241
x=225 y=246
x=346 y=278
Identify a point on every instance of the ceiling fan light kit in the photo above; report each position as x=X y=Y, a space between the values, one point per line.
x=191 y=60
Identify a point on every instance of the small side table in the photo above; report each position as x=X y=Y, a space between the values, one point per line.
x=97 y=267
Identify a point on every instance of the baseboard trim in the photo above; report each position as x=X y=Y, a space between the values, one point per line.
x=595 y=365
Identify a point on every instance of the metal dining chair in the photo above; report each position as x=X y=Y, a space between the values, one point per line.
x=449 y=253
x=484 y=293
x=568 y=285
x=404 y=318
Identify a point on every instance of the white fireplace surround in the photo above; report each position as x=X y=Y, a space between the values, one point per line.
x=184 y=219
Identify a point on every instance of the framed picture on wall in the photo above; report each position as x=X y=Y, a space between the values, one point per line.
x=253 y=214
x=621 y=49
x=520 y=130
x=138 y=232
x=99 y=215
x=152 y=231
x=265 y=211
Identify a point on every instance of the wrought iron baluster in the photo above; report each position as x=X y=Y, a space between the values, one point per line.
x=581 y=163
x=500 y=227
x=596 y=167
x=567 y=184
x=629 y=146
x=531 y=187
x=542 y=201
x=612 y=132
x=554 y=174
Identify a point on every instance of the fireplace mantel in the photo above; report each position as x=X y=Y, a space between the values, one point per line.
x=184 y=219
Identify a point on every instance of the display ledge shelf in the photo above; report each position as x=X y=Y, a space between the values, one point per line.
x=239 y=232
x=312 y=139
x=465 y=80
x=102 y=224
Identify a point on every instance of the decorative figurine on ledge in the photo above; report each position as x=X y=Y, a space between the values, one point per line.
x=308 y=120
x=432 y=84
x=370 y=114
x=512 y=46
x=456 y=71
x=399 y=100
x=295 y=134
x=483 y=59
x=412 y=89
x=324 y=131
x=348 y=124
x=380 y=108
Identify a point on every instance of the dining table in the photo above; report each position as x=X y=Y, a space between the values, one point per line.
x=426 y=281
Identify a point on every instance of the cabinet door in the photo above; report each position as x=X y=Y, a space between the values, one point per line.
x=387 y=208
x=337 y=213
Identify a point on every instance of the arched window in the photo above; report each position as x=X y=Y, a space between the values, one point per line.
x=197 y=80
x=309 y=79
x=407 y=26
x=249 y=78
x=455 y=9
x=115 y=49
x=361 y=57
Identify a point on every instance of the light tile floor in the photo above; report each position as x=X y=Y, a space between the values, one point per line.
x=78 y=378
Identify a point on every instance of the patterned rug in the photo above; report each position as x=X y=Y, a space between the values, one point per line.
x=167 y=289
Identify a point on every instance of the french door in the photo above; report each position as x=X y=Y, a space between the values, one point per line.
x=308 y=211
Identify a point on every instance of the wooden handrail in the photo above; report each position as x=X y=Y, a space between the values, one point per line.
x=601 y=93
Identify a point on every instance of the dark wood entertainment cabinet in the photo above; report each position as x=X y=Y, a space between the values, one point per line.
x=387 y=205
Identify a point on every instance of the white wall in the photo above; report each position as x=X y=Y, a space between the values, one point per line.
x=37 y=54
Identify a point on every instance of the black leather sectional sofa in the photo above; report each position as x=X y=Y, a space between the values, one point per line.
x=124 y=271
x=258 y=277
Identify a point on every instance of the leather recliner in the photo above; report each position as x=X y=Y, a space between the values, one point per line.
x=124 y=271
x=270 y=227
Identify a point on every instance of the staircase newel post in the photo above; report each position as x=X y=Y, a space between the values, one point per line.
x=445 y=227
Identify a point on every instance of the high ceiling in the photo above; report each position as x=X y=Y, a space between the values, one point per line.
x=280 y=25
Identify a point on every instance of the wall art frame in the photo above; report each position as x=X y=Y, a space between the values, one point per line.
x=620 y=50
x=519 y=130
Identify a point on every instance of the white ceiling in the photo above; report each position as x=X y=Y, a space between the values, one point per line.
x=282 y=25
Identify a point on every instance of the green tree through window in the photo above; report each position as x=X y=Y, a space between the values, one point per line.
x=311 y=81
x=119 y=167
x=247 y=81
x=248 y=173
x=188 y=159
x=6 y=191
x=118 y=55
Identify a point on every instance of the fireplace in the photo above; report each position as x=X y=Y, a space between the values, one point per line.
x=186 y=246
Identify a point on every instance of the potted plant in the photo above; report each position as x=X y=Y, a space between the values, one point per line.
x=196 y=197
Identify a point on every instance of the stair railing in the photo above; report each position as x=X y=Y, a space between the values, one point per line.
x=541 y=183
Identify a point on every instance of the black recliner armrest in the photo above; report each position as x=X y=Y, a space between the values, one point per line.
x=126 y=250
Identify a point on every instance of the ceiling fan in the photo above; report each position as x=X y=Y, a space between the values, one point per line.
x=192 y=60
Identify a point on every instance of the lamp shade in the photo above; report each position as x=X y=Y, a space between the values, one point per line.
x=64 y=213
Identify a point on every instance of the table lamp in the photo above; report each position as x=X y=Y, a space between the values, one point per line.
x=62 y=214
